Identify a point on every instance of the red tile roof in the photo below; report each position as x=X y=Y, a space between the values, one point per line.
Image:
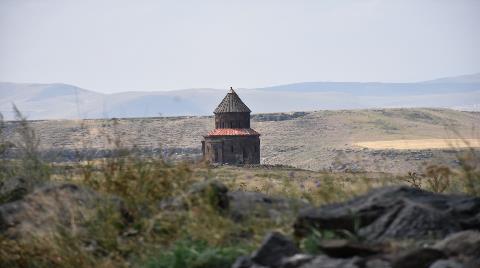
x=233 y=132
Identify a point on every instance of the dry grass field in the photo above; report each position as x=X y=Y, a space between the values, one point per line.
x=343 y=140
x=126 y=210
x=421 y=144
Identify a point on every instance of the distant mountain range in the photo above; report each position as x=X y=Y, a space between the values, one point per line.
x=62 y=101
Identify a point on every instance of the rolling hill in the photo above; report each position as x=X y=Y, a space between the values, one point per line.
x=342 y=140
x=62 y=101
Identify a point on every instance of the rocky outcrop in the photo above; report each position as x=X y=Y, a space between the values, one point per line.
x=421 y=257
x=274 y=249
x=376 y=221
x=277 y=251
x=67 y=205
x=462 y=243
x=343 y=248
x=463 y=247
x=254 y=204
x=395 y=212
x=239 y=205
x=214 y=191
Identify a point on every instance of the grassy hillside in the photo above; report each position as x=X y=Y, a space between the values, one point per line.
x=321 y=140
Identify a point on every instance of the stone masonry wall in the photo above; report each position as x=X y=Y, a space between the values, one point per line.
x=232 y=149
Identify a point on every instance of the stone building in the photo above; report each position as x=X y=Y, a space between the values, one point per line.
x=232 y=141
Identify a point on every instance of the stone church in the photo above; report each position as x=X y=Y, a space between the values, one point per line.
x=232 y=141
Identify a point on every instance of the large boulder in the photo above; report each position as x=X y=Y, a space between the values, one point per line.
x=447 y=264
x=397 y=212
x=239 y=205
x=253 y=204
x=67 y=205
x=343 y=248
x=419 y=258
x=465 y=243
x=274 y=249
x=213 y=191
x=323 y=261
x=464 y=247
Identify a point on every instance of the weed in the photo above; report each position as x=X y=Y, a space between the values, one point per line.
x=413 y=180
x=195 y=254
x=331 y=190
x=438 y=178
x=470 y=171
x=32 y=167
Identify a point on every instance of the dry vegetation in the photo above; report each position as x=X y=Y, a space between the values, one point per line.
x=421 y=144
x=321 y=140
x=143 y=234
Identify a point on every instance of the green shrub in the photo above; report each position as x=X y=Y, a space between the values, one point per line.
x=195 y=254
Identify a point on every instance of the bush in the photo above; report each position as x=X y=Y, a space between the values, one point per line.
x=195 y=254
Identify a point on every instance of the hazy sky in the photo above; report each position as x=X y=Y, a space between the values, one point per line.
x=120 y=45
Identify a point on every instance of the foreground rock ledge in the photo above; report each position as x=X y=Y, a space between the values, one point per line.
x=380 y=218
x=397 y=212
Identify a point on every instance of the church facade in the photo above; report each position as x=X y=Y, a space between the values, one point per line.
x=232 y=141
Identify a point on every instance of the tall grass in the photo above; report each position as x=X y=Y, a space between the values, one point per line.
x=470 y=171
x=155 y=220
x=136 y=229
x=4 y=145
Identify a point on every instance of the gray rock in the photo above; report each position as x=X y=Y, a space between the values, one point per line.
x=296 y=260
x=13 y=189
x=418 y=258
x=472 y=262
x=377 y=263
x=461 y=243
x=395 y=212
x=239 y=205
x=49 y=207
x=214 y=191
x=248 y=204
x=243 y=262
x=446 y=264
x=274 y=248
x=327 y=262
x=342 y=248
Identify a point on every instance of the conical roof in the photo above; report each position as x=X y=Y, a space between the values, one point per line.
x=232 y=104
